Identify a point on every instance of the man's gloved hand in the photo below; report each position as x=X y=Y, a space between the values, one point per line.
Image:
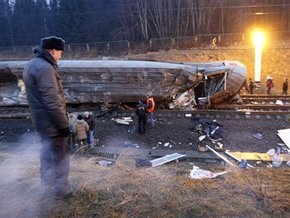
x=64 y=132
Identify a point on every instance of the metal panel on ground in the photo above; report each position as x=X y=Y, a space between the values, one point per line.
x=167 y=158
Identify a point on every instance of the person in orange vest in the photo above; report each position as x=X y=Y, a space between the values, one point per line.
x=151 y=107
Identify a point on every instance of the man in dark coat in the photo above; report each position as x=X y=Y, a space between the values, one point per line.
x=285 y=87
x=251 y=86
x=141 y=112
x=48 y=113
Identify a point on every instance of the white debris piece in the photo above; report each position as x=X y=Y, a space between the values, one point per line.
x=129 y=119
x=197 y=173
x=165 y=159
x=279 y=102
x=124 y=120
x=202 y=137
x=105 y=163
x=277 y=160
x=284 y=135
x=220 y=156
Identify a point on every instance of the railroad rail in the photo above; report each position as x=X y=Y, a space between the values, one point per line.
x=265 y=99
x=22 y=112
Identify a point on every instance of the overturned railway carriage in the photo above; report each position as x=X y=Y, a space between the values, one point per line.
x=127 y=81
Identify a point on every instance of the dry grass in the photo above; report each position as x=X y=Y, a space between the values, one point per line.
x=122 y=190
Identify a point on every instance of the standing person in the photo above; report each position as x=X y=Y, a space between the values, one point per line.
x=270 y=85
x=285 y=87
x=80 y=130
x=72 y=121
x=251 y=86
x=141 y=112
x=48 y=113
x=90 y=134
x=151 y=107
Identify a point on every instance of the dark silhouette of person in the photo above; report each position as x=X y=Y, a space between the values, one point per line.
x=285 y=87
x=141 y=112
x=251 y=86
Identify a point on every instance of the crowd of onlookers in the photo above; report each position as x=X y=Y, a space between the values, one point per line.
x=269 y=85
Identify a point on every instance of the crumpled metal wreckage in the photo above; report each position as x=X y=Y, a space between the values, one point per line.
x=173 y=85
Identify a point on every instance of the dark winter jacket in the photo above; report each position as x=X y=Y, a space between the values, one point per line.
x=45 y=94
x=90 y=121
x=141 y=109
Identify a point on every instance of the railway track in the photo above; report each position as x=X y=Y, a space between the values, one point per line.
x=265 y=99
x=259 y=103
x=253 y=104
x=11 y=112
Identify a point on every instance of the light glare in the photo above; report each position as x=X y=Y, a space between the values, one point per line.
x=259 y=40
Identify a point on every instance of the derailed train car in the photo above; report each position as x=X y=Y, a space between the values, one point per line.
x=176 y=85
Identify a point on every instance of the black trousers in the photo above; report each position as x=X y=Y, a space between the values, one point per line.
x=142 y=121
x=55 y=164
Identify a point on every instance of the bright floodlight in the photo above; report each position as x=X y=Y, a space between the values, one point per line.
x=259 y=39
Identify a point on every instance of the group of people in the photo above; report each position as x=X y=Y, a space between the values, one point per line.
x=270 y=85
x=82 y=130
x=145 y=111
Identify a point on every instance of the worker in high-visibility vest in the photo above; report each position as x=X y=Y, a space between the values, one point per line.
x=151 y=107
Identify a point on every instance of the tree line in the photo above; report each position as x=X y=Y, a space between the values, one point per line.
x=24 y=22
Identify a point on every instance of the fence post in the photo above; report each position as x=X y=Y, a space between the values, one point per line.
x=128 y=45
x=150 y=44
x=219 y=38
x=172 y=42
x=108 y=46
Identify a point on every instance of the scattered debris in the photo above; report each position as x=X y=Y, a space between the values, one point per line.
x=210 y=129
x=259 y=135
x=284 y=149
x=275 y=156
x=197 y=173
x=219 y=146
x=124 y=120
x=201 y=148
x=277 y=161
x=105 y=163
x=202 y=137
x=243 y=164
x=279 y=102
x=166 y=144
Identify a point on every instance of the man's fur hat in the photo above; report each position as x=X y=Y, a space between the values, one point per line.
x=52 y=42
